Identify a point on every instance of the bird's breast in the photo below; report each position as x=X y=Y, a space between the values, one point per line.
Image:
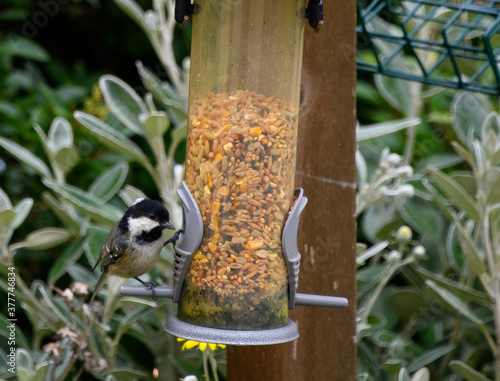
x=138 y=259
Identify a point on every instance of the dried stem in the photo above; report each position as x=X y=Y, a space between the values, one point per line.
x=162 y=43
x=205 y=364
x=213 y=363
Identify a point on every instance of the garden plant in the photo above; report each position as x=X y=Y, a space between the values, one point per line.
x=74 y=156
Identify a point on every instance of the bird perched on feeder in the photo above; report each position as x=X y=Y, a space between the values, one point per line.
x=135 y=242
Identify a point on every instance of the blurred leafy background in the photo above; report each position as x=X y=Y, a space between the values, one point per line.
x=78 y=146
x=86 y=90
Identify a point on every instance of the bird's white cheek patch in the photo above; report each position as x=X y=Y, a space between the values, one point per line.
x=141 y=224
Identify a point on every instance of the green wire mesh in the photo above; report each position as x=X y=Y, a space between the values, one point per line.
x=444 y=43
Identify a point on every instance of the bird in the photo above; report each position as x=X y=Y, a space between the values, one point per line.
x=134 y=243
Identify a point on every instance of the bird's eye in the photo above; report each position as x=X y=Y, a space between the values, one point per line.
x=152 y=216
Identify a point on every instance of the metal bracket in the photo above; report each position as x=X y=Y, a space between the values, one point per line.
x=192 y=224
x=289 y=244
x=292 y=257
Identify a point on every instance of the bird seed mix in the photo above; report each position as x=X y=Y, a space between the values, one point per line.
x=240 y=169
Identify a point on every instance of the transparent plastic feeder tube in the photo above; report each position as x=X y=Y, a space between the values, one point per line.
x=244 y=94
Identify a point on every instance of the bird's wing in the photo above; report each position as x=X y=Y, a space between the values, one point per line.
x=113 y=249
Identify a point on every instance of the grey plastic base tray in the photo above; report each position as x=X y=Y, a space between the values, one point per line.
x=179 y=328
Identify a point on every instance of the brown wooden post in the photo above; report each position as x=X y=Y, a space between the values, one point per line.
x=326 y=349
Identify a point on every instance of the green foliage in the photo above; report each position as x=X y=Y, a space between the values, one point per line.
x=432 y=301
x=86 y=191
x=25 y=94
x=435 y=311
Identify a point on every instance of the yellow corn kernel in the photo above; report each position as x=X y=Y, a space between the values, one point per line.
x=216 y=207
x=256 y=131
x=244 y=185
x=255 y=244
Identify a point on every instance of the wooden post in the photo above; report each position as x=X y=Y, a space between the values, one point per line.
x=326 y=349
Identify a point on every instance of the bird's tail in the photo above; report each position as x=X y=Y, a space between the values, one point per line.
x=99 y=284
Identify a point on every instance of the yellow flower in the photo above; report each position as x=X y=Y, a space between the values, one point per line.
x=189 y=344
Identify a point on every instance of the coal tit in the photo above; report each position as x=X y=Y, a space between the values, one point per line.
x=135 y=242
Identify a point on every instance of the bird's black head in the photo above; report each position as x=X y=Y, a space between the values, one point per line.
x=144 y=210
x=152 y=210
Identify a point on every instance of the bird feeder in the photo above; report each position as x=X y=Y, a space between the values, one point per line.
x=236 y=263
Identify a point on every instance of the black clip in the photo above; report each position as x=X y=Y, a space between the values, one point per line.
x=314 y=13
x=183 y=9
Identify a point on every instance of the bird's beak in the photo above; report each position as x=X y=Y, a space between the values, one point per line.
x=168 y=225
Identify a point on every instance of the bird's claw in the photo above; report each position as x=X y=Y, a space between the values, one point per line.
x=151 y=286
x=173 y=240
